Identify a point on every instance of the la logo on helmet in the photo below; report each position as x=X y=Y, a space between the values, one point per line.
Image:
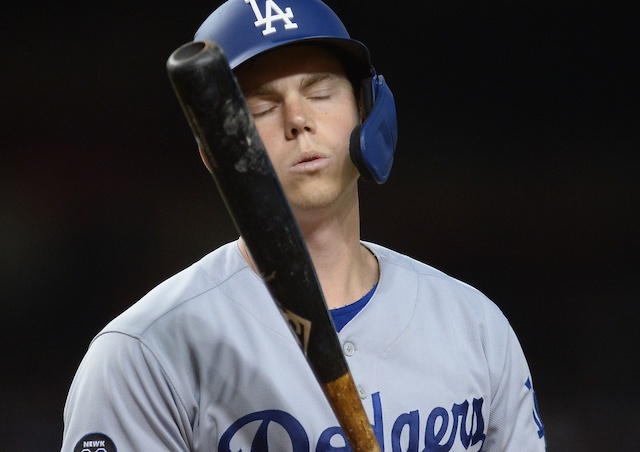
x=273 y=12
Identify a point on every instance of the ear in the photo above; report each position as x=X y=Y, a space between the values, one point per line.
x=361 y=110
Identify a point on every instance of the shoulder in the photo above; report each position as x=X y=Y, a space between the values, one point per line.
x=186 y=325
x=405 y=270
x=388 y=257
x=183 y=324
x=184 y=293
x=421 y=294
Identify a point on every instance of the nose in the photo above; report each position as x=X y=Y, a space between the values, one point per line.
x=298 y=117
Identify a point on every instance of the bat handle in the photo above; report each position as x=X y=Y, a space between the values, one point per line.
x=343 y=396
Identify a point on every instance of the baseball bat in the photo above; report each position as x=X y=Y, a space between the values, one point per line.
x=223 y=127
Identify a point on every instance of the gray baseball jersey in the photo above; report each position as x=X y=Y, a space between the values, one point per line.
x=206 y=362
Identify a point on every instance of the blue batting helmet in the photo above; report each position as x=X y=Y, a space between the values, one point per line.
x=247 y=28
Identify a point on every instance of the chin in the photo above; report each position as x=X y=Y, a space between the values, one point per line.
x=317 y=196
x=310 y=205
x=312 y=200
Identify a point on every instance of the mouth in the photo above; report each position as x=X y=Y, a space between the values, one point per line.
x=310 y=161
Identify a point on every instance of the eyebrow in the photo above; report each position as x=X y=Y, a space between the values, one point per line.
x=269 y=88
x=316 y=78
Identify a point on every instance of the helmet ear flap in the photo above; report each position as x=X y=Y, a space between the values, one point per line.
x=372 y=143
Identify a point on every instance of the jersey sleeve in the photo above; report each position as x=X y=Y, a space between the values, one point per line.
x=121 y=393
x=515 y=423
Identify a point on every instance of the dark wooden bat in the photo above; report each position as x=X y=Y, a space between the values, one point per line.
x=223 y=127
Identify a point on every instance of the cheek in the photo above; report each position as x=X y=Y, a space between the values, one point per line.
x=343 y=127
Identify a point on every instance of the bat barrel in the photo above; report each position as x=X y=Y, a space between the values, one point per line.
x=187 y=52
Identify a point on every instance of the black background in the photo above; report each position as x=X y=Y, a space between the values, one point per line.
x=516 y=171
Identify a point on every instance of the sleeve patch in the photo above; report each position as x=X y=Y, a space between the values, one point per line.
x=95 y=442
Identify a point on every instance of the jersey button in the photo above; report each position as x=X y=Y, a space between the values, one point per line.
x=362 y=392
x=349 y=348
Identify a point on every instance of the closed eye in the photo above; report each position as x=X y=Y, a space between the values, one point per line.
x=322 y=95
x=260 y=107
x=261 y=113
x=320 y=86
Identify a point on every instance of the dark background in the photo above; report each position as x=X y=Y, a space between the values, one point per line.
x=516 y=171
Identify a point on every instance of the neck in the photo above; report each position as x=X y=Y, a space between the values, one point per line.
x=346 y=269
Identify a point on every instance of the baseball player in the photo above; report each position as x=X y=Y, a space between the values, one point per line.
x=205 y=361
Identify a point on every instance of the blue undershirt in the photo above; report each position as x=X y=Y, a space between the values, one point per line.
x=342 y=316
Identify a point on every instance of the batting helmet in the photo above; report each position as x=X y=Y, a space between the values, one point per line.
x=247 y=28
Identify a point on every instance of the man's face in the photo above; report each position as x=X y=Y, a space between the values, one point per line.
x=305 y=109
